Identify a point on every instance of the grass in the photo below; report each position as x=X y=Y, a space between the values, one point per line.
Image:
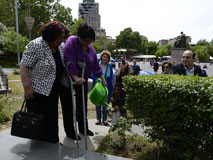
x=137 y=147
x=15 y=100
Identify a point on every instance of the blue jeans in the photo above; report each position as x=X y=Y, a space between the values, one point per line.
x=98 y=113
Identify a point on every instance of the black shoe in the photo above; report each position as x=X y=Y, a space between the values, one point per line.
x=73 y=136
x=98 y=123
x=106 y=124
x=89 y=133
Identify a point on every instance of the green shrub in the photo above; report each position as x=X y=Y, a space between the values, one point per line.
x=3 y=28
x=118 y=133
x=3 y=117
x=178 y=110
x=8 y=40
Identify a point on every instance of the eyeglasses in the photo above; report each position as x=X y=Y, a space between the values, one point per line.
x=165 y=66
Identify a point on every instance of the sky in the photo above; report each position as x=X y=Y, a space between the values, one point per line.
x=155 y=19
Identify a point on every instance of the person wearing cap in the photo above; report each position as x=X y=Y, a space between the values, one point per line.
x=108 y=75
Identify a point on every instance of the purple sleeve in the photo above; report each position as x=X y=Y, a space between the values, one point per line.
x=70 y=58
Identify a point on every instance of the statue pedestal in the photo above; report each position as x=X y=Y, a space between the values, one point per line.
x=176 y=55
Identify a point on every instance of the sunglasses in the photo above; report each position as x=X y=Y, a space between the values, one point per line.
x=165 y=66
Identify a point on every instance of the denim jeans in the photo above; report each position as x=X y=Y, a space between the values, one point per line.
x=102 y=109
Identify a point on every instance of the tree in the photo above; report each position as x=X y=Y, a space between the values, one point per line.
x=211 y=48
x=3 y=28
x=203 y=42
x=7 y=14
x=111 y=47
x=161 y=51
x=42 y=10
x=188 y=46
x=61 y=13
x=201 y=53
x=169 y=48
x=99 y=44
x=129 y=39
x=144 y=45
x=209 y=45
x=152 y=47
x=9 y=42
x=74 y=26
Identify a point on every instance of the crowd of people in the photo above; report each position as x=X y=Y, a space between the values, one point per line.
x=49 y=59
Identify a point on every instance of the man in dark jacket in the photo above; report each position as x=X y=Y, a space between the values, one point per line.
x=187 y=67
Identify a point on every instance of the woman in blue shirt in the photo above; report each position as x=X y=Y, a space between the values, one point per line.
x=108 y=75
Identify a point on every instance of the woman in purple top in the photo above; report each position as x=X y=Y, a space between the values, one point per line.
x=79 y=49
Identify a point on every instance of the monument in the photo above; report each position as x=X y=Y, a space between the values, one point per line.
x=3 y=82
x=179 y=48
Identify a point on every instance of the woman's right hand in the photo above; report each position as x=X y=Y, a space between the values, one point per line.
x=28 y=92
x=78 y=80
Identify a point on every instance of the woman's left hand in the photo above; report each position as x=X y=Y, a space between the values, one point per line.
x=103 y=81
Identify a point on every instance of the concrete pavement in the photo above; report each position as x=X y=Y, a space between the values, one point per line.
x=15 y=148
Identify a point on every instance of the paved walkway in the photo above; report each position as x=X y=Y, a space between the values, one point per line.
x=19 y=148
x=100 y=131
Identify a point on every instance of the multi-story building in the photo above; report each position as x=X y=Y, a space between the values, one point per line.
x=89 y=11
x=163 y=42
x=100 y=33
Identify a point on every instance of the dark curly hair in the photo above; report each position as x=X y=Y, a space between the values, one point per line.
x=52 y=30
x=86 y=31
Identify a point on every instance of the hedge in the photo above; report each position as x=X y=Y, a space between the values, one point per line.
x=178 y=111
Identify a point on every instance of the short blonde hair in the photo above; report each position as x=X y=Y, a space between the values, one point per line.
x=105 y=52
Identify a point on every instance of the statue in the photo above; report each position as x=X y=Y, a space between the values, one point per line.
x=3 y=80
x=180 y=41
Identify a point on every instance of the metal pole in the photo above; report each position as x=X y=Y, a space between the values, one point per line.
x=105 y=45
x=29 y=29
x=17 y=31
x=29 y=10
x=30 y=35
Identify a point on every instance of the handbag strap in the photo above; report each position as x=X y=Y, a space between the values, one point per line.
x=24 y=106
